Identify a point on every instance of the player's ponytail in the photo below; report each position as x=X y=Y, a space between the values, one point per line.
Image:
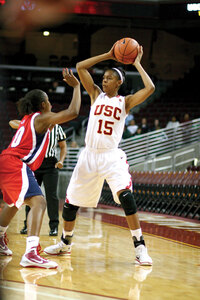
x=31 y=102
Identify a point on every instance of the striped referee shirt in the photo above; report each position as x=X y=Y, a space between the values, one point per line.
x=56 y=135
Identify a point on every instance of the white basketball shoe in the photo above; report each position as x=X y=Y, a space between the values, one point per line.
x=141 y=256
x=58 y=249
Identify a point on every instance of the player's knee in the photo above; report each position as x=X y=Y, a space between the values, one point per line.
x=69 y=212
x=41 y=202
x=38 y=202
x=128 y=203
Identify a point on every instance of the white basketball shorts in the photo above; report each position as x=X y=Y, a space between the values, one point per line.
x=93 y=167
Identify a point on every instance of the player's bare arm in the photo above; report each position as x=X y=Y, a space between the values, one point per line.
x=14 y=123
x=85 y=77
x=72 y=81
x=63 y=153
x=143 y=94
x=43 y=121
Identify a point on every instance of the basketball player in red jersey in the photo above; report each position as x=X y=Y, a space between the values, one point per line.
x=23 y=156
x=102 y=159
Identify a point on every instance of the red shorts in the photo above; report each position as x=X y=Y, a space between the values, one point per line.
x=17 y=181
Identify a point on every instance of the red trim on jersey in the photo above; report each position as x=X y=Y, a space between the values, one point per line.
x=66 y=200
x=129 y=186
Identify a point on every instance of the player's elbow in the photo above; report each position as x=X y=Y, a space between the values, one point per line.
x=78 y=66
x=151 y=89
x=74 y=113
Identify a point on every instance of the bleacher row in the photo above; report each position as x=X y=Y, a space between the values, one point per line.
x=176 y=101
x=172 y=193
x=16 y=81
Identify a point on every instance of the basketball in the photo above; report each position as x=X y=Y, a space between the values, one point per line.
x=126 y=50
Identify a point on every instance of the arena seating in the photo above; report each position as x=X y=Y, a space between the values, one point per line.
x=172 y=193
x=177 y=100
x=15 y=82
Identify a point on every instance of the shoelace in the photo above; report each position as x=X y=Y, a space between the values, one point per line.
x=39 y=249
x=61 y=244
x=5 y=238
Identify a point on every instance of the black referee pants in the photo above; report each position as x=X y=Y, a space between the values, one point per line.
x=48 y=174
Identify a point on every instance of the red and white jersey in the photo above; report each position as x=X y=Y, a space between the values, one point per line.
x=106 y=122
x=27 y=145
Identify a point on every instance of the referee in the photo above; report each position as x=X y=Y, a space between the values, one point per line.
x=48 y=174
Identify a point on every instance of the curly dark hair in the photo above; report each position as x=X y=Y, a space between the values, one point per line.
x=31 y=102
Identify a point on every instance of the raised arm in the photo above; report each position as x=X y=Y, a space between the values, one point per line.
x=140 y=96
x=45 y=120
x=85 y=77
x=72 y=81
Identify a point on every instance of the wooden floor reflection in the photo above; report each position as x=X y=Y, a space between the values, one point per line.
x=102 y=262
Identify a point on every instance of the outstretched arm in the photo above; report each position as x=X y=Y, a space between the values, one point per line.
x=143 y=94
x=72 y=81
x=43 y=121
x=85 y=77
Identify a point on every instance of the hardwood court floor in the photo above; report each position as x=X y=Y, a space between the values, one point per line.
x=102 y=261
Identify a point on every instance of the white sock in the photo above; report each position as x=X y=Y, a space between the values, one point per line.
x=137 y=233
x=3 y=230
x=31 y=241
x=67 y=233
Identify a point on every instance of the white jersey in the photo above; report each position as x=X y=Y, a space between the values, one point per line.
x=106 y=122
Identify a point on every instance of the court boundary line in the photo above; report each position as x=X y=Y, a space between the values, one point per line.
x=63 y=289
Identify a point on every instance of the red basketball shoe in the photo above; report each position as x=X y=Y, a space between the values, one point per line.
x=34 y=260
x=3 y=245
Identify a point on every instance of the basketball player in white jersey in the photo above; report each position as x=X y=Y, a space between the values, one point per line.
x=102 y=159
